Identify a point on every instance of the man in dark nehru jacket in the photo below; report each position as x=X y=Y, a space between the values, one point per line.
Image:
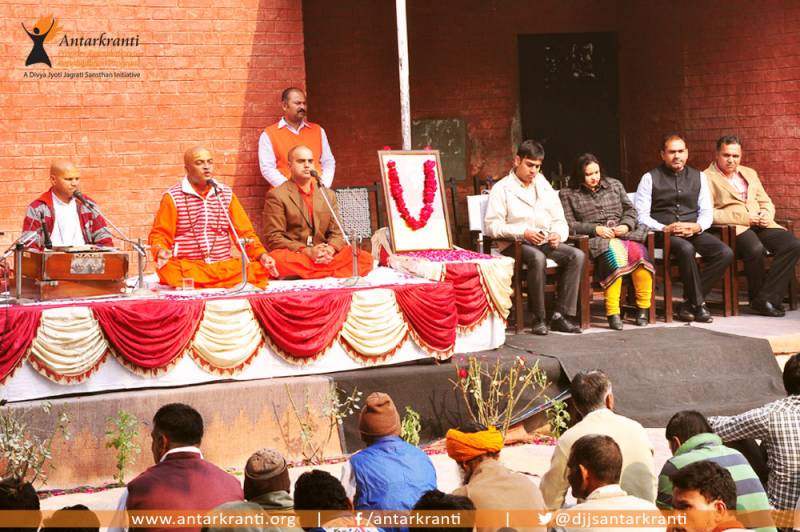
x=675 y=201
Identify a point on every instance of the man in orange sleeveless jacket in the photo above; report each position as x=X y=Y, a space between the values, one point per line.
x=191 y=237
x=290 y=131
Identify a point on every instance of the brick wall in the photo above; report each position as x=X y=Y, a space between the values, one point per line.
x=211 y=73
x=687 y=66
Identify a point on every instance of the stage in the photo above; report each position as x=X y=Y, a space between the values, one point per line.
x=293 y=328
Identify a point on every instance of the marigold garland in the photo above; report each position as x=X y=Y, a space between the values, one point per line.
x=428 y=195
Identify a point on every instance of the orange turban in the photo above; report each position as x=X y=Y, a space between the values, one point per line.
x=464 y=446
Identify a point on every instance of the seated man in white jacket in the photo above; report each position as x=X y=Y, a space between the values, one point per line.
x=523 y=206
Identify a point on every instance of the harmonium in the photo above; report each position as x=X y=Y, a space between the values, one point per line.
x=73 y=272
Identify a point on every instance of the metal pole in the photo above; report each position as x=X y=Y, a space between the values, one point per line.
x=402 y=60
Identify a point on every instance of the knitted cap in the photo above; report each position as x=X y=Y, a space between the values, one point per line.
x=265 y=464
x=379 y=416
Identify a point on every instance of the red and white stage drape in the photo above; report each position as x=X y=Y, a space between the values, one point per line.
x=81 y=347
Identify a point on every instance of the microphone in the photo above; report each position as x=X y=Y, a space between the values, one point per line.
x=210 y=182
x=315 y=175
x=80 y=197
x=48 y=244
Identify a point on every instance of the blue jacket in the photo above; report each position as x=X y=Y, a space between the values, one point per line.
x=391 y=474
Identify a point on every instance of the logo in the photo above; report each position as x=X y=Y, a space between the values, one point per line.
x=45 y=30
x=545 y=518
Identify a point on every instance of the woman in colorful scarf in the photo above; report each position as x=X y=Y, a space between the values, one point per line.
x=598 y=206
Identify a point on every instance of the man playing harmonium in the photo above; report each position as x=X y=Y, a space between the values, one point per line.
x=299 y=228
x=60 y=217
x=191 y=237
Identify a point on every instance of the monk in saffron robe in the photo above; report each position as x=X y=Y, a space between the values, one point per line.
x=299 y=230
x=191 y=237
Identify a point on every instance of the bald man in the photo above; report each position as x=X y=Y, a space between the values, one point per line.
x=191 y=237
x=68 y=222
x=299 y=230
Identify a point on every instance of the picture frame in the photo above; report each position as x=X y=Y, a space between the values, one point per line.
x=435 y=234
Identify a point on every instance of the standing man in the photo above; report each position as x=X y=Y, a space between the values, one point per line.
x=66 y=220
x=740 y=199
x=291 y=130
x=523 y=206
x=674 y=200
x=191 y=237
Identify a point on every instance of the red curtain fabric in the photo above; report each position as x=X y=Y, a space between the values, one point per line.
x=430 y=310
x=149 y=334
x=471 y=302
x=18 y=328
x=302 y=324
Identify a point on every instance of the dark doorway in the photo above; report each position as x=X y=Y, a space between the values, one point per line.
x=569 y=98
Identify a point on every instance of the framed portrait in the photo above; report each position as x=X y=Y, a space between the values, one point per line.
x=413 y=187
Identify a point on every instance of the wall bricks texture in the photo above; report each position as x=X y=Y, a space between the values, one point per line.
x=685 y=66
x=211 y=73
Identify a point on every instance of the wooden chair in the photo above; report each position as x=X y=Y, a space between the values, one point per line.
x=738 y=278
x=594 y=288
x=667 y=272
x=484 y=243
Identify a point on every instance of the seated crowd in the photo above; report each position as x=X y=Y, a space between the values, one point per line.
x=605 y=459
x=673 y=200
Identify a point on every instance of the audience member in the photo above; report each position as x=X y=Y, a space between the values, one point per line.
x=389 y=474
x=705 y=491
x=181 y=479
x=435 y=500
x=674 y=200
x=60 y=520
x=487 y=483
x=691 y=440
x=594 y=400
x=777 y=425
x=740 y=199
x=598 y=206
x=16 y=494
x=266 y=488
x=593 y=470
x=523 y=206
x=318 y=490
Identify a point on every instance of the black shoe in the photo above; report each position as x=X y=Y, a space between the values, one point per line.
x=615 y=322
x=539 y=327
x=765 y=308
x=685 y=312
x=702 y=314
x=561 y=324
x=642 y=317
x=780 y=308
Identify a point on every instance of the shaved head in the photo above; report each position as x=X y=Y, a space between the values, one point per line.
x=307 y=154
x=191 y=154
x=62 y=167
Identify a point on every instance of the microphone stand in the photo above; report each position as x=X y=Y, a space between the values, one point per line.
x=243 y=285
x=137 y=245
x=355 y=280
x=16 y=248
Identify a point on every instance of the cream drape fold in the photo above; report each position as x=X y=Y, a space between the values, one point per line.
x=496 y=277
x=228 y=335
x=69 y=344
x=374 y=328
